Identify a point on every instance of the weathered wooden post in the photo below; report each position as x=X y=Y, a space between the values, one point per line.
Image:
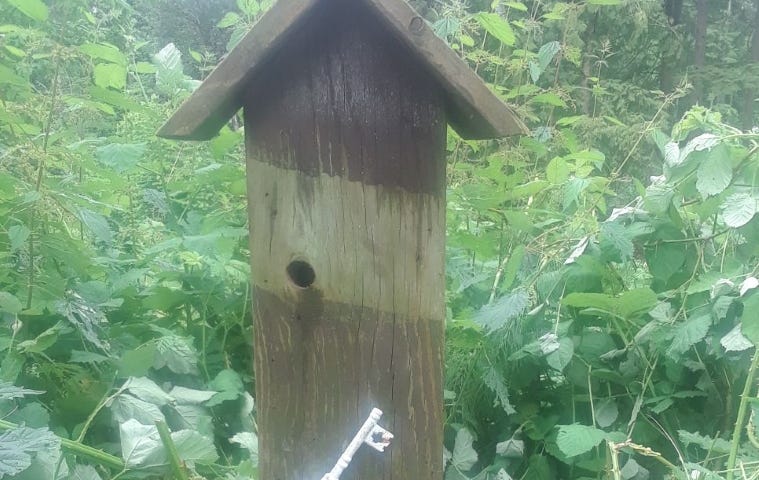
x=346 y=104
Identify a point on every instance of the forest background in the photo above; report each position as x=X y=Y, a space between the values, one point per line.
x=602 y=294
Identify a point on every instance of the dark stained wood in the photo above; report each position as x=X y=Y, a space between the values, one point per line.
x=473 y=110
x=346 y=172
x=348 y=85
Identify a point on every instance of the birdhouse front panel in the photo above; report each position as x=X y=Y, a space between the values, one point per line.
x=346 y=168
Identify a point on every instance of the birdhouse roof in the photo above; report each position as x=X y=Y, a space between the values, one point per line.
x=472 y=109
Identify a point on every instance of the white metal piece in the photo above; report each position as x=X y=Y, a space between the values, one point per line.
x=367 y=434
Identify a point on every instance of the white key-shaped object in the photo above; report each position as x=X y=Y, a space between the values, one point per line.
x=366 y=434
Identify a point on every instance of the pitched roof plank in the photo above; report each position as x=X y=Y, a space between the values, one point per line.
x=219 y=97
x=478 y=113
x=473 y=110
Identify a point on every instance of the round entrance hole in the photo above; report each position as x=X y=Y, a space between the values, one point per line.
x=301 y=273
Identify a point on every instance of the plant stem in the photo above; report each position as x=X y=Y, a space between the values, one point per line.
x=77 y=448
x=741 y=419
x=171 y=451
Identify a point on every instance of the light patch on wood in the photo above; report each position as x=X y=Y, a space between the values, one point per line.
x=371 y=246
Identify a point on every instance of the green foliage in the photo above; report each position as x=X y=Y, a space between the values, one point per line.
x=602 y=290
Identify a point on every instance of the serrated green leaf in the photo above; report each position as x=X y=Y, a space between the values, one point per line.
x=512 y=264
x=575 y=440
x=560 y=358
x=735 y=341
x=738 y=209
x=141 y=445
x=557 y=171
x=8 y=391
x=495 y=381
x=121 y=157
x=607 y=412
x=34 y=9
x=497 y=26
x=137 y=362
x=97 y=224
x=464 y=456
x=110 y=75
x=517 y=6
x=125 y=407
x=230 y=19
x=715 y=445
x=598 y=301
x=194 y=448
x=104 y=51
x=636 y=302
x=687 y=334
x=615 y=242
x=19 y=446
x=188 y=396
x=147 y=390
x=498 y=315
x=176 y=353
x=9 y=303
x=545 y=55
x=715 y=172
x=78 y=356
x=665 y=260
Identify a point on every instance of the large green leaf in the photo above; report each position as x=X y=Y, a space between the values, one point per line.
x=739 y=208
x=665 y=260
x=9 y=303
x=104 y=51
x=110 y=75
x=464 y=456
x=19 y=446
x=636 y=302
x=147 y=390
x=97 y=224
x=546 y=53
x=557 y=171
x=560 y=358
x=9 y=77
x=689 y=333
x=505 y=310
x=575 y=440
x=34 y=9
x=495 y=381
x=715 y=172
x=8 y=391
x=497 y=26
x=122 y=157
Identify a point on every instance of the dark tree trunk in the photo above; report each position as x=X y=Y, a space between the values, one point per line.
x=750 y=92
x=673 y=9
x=699 y=54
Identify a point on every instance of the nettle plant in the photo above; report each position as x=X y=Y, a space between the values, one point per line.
x=594 y=342
x=123 y=273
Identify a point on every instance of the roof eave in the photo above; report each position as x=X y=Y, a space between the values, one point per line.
x=475 y=112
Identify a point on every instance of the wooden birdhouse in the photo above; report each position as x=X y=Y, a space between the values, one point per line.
x=346 y=106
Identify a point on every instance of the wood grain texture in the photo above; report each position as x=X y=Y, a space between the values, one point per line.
x=473 y=110
x=346 y=171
